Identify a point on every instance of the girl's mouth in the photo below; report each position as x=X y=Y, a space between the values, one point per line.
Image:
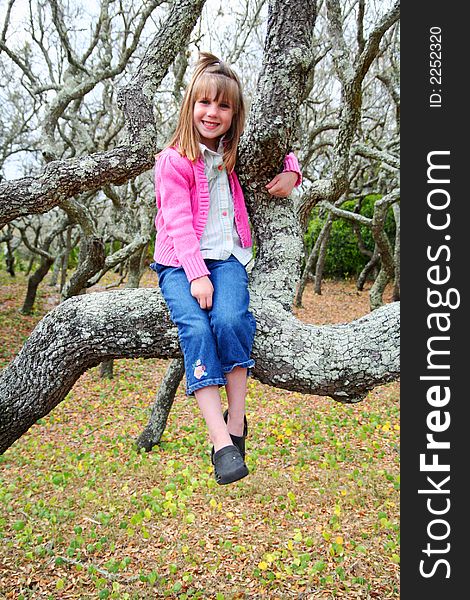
x=210 y=124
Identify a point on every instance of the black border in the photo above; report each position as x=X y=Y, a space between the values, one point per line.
x=425 y=129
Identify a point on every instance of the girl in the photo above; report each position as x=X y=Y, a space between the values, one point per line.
x=203 y=245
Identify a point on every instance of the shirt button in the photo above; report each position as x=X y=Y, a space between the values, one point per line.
x=221 y=167
x=224 y=213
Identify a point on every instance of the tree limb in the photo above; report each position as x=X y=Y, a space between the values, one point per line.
x=342 y=361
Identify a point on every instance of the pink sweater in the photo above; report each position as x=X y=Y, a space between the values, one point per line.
x=182 y=195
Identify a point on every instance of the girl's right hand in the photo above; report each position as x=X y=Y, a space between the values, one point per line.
x=202 y=289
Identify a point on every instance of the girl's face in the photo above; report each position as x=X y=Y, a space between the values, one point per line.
x=212 y=118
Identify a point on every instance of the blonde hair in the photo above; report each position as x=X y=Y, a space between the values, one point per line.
x=210 y=73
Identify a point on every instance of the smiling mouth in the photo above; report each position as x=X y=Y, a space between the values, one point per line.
x=210 y=124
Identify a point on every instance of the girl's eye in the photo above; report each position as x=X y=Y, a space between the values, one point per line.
x=224 y=105
x=203 y=101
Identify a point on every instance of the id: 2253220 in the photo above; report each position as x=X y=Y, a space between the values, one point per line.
x=435 y=71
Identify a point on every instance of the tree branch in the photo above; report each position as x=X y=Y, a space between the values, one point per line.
x=342 y=361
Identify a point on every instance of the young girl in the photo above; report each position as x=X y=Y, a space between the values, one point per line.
x=203 y=245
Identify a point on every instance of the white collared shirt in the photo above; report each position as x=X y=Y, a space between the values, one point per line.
x=220 y=238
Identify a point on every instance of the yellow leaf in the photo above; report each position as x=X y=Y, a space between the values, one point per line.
x=339 y=540
x=269 y=558
x=59 y=585
x=263 y=565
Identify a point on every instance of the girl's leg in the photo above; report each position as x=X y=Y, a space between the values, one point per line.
x=204 y=371
x=208 y=399
x=230 y=318
x=234 y=329
x=197 y=341
x=236 y=394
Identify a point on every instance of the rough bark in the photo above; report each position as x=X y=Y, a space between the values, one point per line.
x=320 y=266
x=135 y=267
x=341 y=361
x=378 y=287
x=66 y=178
x=288 y=59
x=133 y=281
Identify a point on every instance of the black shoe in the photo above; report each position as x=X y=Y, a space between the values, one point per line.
x=229 y=466
x=238 y=441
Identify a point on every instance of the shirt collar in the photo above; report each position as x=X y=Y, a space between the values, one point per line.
x=220 y=148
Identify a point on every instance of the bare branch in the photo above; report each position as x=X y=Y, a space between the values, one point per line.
x=373 y=42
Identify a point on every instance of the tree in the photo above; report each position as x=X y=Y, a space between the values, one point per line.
x=350 y=150
x=341 y=361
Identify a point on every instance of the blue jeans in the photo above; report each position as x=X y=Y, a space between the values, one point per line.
x=216 y=340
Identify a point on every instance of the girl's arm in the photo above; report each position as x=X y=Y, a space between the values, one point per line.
x=174 y=177
x=291 y=176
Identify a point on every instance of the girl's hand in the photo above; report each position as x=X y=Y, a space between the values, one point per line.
x=202 y=289
x=283 y=184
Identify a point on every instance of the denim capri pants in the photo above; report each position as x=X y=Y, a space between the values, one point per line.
x=213 y=341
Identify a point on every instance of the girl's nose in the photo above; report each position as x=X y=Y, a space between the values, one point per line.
x=212 y=109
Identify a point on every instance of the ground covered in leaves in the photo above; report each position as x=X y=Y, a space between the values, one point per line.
x=84 y=515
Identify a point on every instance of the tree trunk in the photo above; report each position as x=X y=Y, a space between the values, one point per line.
x=33 y=283
x=93 y=251
x=10 y=259
x=65 y=259
x=312 y=260
x=135 y=268
x=56 y=270
x=378 y=288
x=107 y=369
x=322 y=256
x=372 y=264
x=396 y=254
x=153 y=432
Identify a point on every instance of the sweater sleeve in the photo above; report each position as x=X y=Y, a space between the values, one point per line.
x=174 y=180
x=292 y=164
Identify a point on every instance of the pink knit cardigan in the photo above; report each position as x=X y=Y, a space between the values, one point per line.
x=182 y=194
